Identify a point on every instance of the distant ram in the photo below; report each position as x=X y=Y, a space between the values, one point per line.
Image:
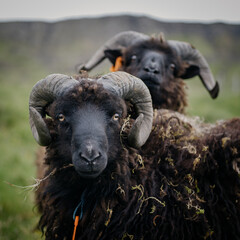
x=162 y=65
x=151 y=175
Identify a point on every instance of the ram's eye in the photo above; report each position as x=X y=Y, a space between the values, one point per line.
x=115 y=117
x=134 y=57
x=172 y=66
x=61 y=117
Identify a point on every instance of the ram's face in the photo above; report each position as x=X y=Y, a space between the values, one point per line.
x=89 y=127
x=153 y=67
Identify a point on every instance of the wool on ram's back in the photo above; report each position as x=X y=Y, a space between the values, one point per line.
x=183 y=183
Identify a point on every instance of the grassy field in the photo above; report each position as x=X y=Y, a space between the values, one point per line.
x=225 y=106
x=18 y=217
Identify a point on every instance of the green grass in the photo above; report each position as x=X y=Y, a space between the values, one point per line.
x=17 y=216
x=17 y=146
x=225 y=106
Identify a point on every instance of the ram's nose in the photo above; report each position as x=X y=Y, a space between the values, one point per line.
x=89 y=158
x=89 y=152
x=151 y=67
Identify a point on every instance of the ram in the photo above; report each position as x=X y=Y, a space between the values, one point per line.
x=148 y=175
x=162 y=65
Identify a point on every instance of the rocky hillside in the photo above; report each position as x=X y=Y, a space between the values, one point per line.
x=59 y=46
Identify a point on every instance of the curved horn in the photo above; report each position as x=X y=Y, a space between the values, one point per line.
x=123 y=39
x=191 y=55
x=133 y=89
x=44 y=92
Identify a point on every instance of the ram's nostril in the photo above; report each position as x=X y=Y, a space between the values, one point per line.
x=96 y=156
x=151 y=69
x=146 y=69
x=90 y=157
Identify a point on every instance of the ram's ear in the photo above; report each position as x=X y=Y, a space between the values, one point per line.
x=112 y=55
x=190 y=72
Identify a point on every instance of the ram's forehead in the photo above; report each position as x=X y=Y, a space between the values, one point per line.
x=154 y=44
x=89 y=92
x=86 y=86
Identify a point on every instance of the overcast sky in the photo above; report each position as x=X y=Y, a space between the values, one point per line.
x=183 y=10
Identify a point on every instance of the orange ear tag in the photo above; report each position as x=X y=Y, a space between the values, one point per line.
x=117 y=66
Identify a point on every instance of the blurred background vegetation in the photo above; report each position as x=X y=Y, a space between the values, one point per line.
x=31 y=50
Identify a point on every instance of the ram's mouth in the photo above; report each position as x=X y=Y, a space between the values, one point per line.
x=150 y=79
x=91 y=174
x=86 y=170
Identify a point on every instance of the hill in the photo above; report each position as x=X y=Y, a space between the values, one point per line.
x=59 y=46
